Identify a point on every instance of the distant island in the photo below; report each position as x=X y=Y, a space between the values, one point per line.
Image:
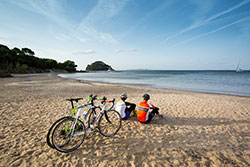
x=23 y=61
x=99 y=66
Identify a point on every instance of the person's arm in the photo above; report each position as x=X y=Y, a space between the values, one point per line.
x=128 y=104
x=152 y=106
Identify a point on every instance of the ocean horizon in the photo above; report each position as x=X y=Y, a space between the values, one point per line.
x=209 y=81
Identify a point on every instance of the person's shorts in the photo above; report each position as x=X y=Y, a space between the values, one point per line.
x=127 y=115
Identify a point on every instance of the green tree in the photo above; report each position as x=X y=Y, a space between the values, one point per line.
x=69 y=66
x=4 y=49
x=17 y=51
x=23 y=61
x=5 y=57
x=98 y=66
x=28 y=52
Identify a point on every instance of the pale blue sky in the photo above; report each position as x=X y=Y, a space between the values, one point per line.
x=132 y=34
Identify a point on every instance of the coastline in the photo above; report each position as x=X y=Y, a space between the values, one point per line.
x=204 y=129
x=148 y=86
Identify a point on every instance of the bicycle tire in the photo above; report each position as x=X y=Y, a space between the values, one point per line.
x=48 y=138
x=109 y=119
x=92 y=115
x=63 y=132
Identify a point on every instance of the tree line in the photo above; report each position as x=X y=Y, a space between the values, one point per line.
x=24 y=61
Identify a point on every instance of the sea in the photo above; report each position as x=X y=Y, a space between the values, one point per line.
x=222 y=82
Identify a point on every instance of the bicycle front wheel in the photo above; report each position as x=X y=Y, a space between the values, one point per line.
x=49 y=134
x=110 y=123
x=92 y=115
x=68 y=135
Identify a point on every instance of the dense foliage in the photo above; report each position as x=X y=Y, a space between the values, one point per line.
x=98 y=66
x=23 y=61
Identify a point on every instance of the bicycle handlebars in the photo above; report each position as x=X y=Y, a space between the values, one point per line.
x=108 y=101
x=113 y=103
x=91 y=100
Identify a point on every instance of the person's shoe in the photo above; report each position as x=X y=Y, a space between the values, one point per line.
x=162 y=115
x=133 y=113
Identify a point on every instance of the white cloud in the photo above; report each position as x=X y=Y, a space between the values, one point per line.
x=206 y=21
x=107 y=37
x=98 y=35
x=101 y=13
x=213 y=31
x=145 y=17
x=202 y=8
x=48 y=8
x=53 y=9
x=83 y=39
x=84 y=52
x=126 y=50
x=3 y=35
x=62 y=37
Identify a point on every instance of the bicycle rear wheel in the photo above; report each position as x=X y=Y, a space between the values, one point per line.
x=49 y=134
x=68 y=135
x=109 y=123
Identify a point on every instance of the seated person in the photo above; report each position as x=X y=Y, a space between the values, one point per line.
x=124 y=108
x=143 y=113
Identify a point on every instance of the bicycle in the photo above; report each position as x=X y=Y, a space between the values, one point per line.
x=90 y=102
x=70 y=133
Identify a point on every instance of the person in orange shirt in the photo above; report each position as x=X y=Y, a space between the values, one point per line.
x=143 y=113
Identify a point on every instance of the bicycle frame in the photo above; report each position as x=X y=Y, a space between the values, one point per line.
x=79 y=113
x=103 y=107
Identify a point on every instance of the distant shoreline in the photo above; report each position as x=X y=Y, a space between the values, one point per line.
x=152 y=87
x=125 y=84
x=138 y=86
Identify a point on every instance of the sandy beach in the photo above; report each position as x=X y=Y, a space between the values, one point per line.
x=199 y=129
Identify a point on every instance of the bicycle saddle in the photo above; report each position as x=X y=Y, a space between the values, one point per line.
x=74 y=99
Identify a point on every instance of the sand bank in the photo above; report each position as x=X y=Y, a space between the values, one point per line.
x=199 y=129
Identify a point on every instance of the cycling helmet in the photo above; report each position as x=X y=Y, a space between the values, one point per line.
x=124 y=96
x=146 y=97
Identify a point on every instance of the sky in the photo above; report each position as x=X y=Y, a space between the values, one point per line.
x=132 y=34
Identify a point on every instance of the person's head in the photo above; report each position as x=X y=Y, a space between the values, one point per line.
x=124 y=96
x=146 y=97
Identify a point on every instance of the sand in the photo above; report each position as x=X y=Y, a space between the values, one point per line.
x=199 y=129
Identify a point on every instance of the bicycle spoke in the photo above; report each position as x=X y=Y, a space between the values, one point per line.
x=67 y=137
x=111 y=125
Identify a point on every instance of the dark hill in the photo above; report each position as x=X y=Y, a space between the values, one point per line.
x=99 y=66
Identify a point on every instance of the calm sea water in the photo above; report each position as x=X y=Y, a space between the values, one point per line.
x=226 y=82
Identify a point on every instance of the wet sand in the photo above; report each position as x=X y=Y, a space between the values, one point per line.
x=199 y=129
